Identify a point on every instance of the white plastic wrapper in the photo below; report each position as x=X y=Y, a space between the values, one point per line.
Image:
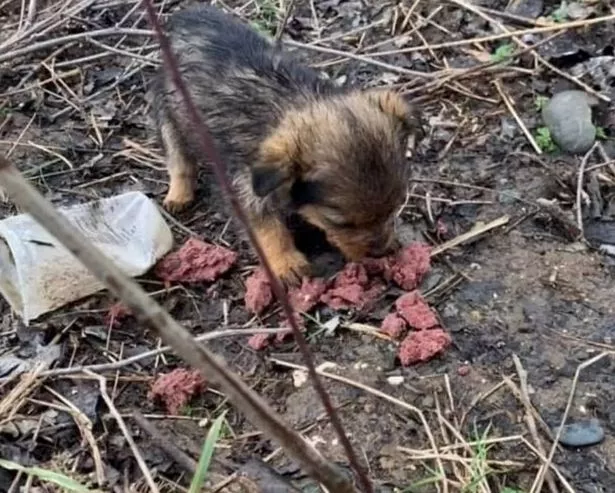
x=38 y=275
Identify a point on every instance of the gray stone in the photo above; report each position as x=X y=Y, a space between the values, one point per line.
x=582 y=434
x=568 y=117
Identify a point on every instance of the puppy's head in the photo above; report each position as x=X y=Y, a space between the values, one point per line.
x=341 y=164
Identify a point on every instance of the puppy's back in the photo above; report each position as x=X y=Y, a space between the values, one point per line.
x=227 y=47
x=224 y=40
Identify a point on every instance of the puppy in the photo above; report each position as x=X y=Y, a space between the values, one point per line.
x=293 y=142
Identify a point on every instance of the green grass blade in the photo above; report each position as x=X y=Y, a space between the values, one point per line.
x=48 y=476
x=208 y=450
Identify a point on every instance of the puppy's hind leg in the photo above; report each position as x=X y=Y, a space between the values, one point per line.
x=182 y=171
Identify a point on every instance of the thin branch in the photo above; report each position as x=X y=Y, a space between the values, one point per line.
x=495 y=37
x=364 y=59
x=72 y=37
x=524 y=396
x=32 y=11
x=116 y=365
x=476 y=231
x=579 y=200
x=537 y=57
x=282 y=25
x=209 y=150
x=511 y=109
x=122 y=425
x=461 y=74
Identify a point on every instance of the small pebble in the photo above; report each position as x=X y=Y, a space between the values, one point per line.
x=582 y=434
x=299 y=378
x=568 y=117
x=395 y=380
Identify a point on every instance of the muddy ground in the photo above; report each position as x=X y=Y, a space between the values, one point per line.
x=528 y=289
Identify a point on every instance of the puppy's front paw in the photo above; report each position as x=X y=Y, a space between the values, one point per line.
x=178 y=198
x=286 y=262
x=290 y=267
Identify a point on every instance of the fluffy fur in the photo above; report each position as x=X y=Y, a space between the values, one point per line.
x=293 y=142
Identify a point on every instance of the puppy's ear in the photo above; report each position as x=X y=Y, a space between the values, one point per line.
x=395 y=105
x=280 y=163
x=277 y=165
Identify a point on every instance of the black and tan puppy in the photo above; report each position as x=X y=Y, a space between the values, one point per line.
x=293 y=143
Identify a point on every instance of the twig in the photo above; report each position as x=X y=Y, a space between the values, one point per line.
x=521 y=44
x=72 y=37
x=445 y=434
x=516 y=116
x=131 y=443
x=408 y=15
x=529 y=414
x=454 y=446
x=32 y=10
x=282 y=25
x=382 y=395
x=152 y=62
x=462 y=74
x=466 y=461
x=566 y=224
x=362 y=58
x=538 y=481
x=13 y=400
x=495 y=64
x=315 y=17
x=116 y=365
x=557 y=472
x=504 y=35
x=38 y=84
x=610 y=162
x=53 y=153
x=514 y=17
x=98 y=56
x=475 y=232
x=328 y=475
x=20 y=136
x=345 y=34
x=85 y=427
x=46 y=23
x=449 y=144
x=406 y=35
x=579 y=200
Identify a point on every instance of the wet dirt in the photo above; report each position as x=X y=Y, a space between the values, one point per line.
x=524 y=290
